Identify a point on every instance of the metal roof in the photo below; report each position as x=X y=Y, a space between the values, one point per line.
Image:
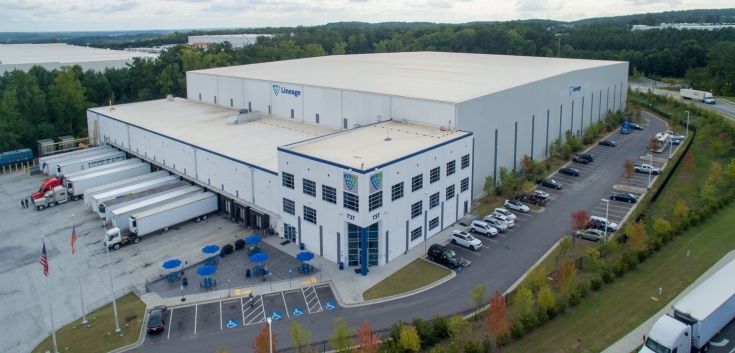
x=18 y=54
x=438 y=76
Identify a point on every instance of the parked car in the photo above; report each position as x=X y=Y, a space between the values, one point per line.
x=532 y=199
x=495 y=223
x=500 y=217
x=541 y=194
x=516 y=205
x=505 y=213
x=589 y=157
x=445 y=256
x=578 y=159
x=608 y=143
x=636 y=127
x=593 y=234
x=483 y=228
x=569 y=171
x=549 y=183
x=624 y=196
x=600 y=223
x=459 y=237
x=157 y=319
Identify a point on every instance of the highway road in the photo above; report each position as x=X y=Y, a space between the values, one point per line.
x=722 y=107
x=498 y=265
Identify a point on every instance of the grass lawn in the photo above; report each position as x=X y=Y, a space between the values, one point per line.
x=130 y=312
x=415 y=275
x=730 y=99
x=605 y=316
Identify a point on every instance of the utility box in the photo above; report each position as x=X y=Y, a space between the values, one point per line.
x=45 y=147
x=66 y=143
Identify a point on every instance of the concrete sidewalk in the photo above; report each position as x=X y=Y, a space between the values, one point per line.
x=634 y=339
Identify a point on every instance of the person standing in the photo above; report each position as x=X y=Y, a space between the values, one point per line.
x=26 y=201
x=22 y=205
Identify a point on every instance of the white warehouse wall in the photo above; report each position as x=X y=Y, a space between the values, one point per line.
x=325 y=102
x=424 y=111
x=284 y=103
x=204 y=86
x=230 y=92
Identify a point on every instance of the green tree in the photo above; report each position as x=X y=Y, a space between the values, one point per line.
x=67 y=100
x=301 y=338
x=339 y=48
x=489 y=185
x=565 y=246
x=459 y=329
x=537 y=279
x=545 y=299
x=680 y=209
x=522 y=304
x=477 y=296
x=172 y=81
x=9 y=104
x=662 y=228
x=341 y=337
x=313 y=49
x=409 y=339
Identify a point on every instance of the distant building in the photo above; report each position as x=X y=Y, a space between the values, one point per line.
x=54 y=56
x=152 y=50
x=237 y=40
x=706 y=26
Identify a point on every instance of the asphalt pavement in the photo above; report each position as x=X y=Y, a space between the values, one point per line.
x=723 y=107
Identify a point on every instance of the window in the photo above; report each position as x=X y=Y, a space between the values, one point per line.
x=287 y=180
x=465 y=161
x=465 y=184
x=434 y=175
x=416 y=233
x=416 y=209
x=417 y=182
x=433 y=223
x=351 y=201
x=375 y=201
x=289 y=206
x=434 y=200
x=450 y=168
x=309 y=187
x=309 y=214
x=450 y=192
x=396 y=191
x=329 y=194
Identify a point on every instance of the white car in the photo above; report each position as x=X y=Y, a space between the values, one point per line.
x=500 y=217
x=483 y=228
x=506 y=213
x=465 y=239
x=516 y=205
x=497 y=224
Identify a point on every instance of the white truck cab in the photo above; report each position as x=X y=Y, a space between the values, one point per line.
x=668 y=335
x=114 y=239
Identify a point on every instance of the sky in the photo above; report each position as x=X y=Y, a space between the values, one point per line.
x=103 y=15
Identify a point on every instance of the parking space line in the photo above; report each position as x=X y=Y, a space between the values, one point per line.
x=170 y=322
x=242 y=306
x=258 y=312
x=487 y=247
x=196 y=314
x=616 y=211
x=312 y=300
x=285 y=304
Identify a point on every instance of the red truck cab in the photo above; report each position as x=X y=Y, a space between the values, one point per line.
x=47 y=185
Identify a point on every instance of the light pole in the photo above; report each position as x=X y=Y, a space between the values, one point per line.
x=649 y=172
x=607 y=211
x=269 y=321
x=112 y=286
x=79 y=274
x=687 y=123
x=320 y=272
x=289 y=278
x=228 y=288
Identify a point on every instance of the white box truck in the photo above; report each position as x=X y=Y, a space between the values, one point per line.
x=104 y=210
x=119 y=164
x=127 y=190
x=45 y=162
x=89 y=162
x=89 y=193
x=697 y=317
x=120 y=216
x=195 y=207
x=77 y=186
x=702 y=96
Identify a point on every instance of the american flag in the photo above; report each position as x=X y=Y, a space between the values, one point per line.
x=73 y=240
x=44 y=260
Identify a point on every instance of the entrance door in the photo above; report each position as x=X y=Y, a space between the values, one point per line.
x=466 y=204
x=289 y=232
x=354 y=245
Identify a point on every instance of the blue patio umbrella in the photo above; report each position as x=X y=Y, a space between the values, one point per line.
x=259 y=257
x=210 y=249
x=206 y=270
x=305 y=256
x=173 y=263
x=253 y=239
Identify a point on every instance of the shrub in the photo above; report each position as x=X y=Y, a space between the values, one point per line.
x=630 y=259
x=607 y=275
x=441 y=326
x=596 y=283
x=566 y=151
x=487 y=344
x=560 y=307
x=587 y=139
x=425 y=330
x=502 y=340
x=619 y=268
x=517 y=330
x=574 y=297
x=530 y=321
x=694 y=219
x=583 y=287
x=470 y=346
x=542 y=316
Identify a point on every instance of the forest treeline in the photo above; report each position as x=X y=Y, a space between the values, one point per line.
x=41 y=104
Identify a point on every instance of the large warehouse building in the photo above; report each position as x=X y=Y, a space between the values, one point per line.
x=54 y=56
x=362 y=157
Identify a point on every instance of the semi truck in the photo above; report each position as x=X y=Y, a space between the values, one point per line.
x=127 y=190
x=89 y=162
x=121 y=215
x=48 y=163
x=697 y=317
x=77 y=186
x=53 y=182
x=195 y=207
x=89 y=193
x=51 y=198
x=702 y=96
x=104 y=210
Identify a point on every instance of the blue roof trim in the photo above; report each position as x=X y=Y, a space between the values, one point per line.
x=189 y=144
x=372 y=169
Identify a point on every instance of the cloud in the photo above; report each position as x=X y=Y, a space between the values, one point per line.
x=112 y=6
x=359 y=0
x=651 y=2
x=163 y=12
x=539 y=5
x=267 y=6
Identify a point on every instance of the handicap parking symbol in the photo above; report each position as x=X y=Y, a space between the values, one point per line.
x=330 y=306
x=231 y=323
x=276 y=315
x=298 y=311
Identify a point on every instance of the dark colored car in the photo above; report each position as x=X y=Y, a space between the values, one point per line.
x=532 y=199
x=623 y=196
x=549 y=183
x=157 y=319
x=442 y=255
x=579 y=159
x=636 y=127
x=590 y=158
x=607 y=143
x=569 y=171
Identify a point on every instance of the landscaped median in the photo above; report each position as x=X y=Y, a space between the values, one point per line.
x=418 y=274
x=101 y=336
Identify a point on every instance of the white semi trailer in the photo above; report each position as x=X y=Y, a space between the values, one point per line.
x=127 y=190
x=121 y=215
x=697 y=317
x=119 y=164
x=693 y=94
x=48 y=163
x=104 y=210
x=89 y=193
x=195 y=207
x=77 y=186
x=89 y=162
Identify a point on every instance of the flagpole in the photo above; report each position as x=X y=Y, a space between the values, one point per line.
x=112 y=286
x=79 y=275
x=48 y=289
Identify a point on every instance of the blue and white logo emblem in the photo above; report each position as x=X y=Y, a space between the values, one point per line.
x=376 y=182
x=276 y=89
x=573 y=89
x=350 y=182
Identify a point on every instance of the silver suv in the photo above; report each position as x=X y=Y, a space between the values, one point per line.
x=499 y=225
x=483 y=228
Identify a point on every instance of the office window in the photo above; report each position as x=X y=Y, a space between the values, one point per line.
x=375 y=201
x=396 y=191
x=433 y=223
x=465 y=184
x=450 y=168
x=287 y=180
x=416 y=209
x=289 y=206
x=450 y=192
x=329 y=194
x=465 y=161
x=309 y=187
x=434 y=200
x=416 y=233
x=351 y=201
x=434 y=175
x=309 y=214
x=417 y=182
